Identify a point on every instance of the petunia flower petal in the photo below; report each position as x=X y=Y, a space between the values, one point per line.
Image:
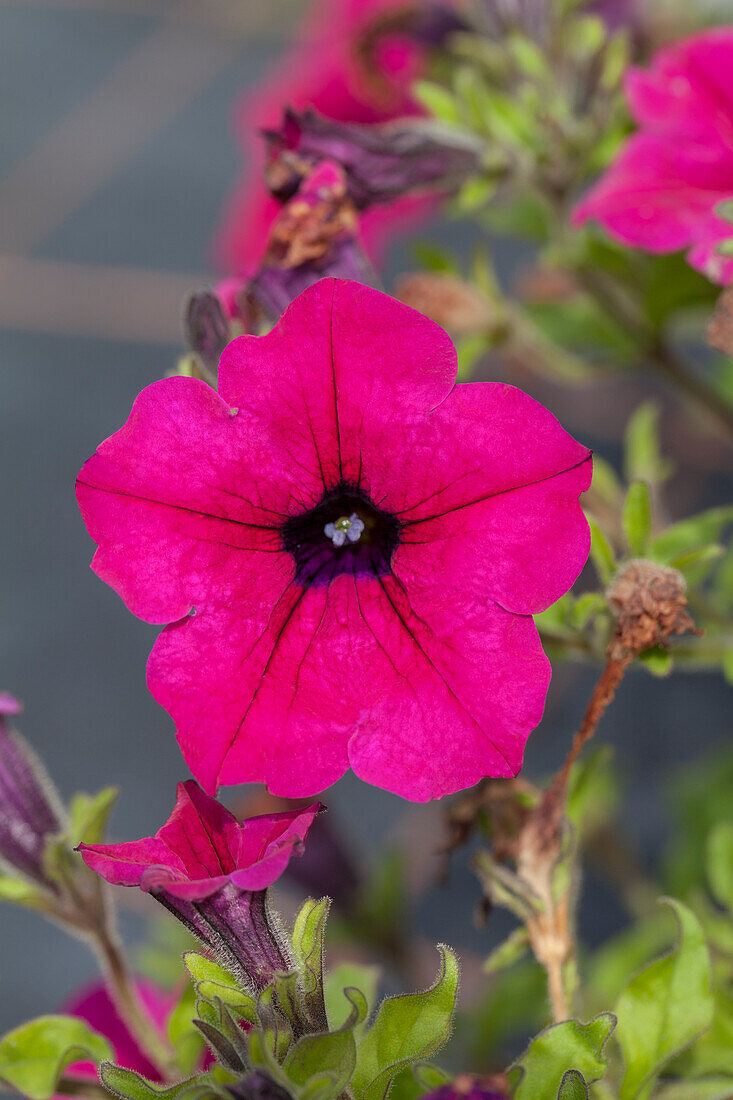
x=344 y=368
x=175 y=507
x=204 y=835
x=460 y=689
x=125 y=864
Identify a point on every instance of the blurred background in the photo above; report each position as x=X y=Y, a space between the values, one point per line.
x=116 y=156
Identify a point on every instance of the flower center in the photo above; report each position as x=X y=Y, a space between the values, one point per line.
x=344 y=533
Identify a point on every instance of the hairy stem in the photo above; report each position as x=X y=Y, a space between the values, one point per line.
x=128 y=1001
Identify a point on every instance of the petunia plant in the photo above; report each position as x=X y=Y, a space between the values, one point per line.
x=366 y=556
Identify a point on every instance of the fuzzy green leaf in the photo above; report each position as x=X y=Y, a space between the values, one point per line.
x=666 y=1006
x=569 y=1045
x=406 y=1030
x=132 y=1086
x=689 y=534
x=34 y=1055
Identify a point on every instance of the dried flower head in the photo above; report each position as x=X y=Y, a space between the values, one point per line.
x=651 y=604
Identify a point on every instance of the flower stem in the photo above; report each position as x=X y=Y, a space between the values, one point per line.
x=603 y=693
x=128 y=1001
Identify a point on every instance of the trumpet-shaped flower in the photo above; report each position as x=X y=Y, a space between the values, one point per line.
x=407 y=652
x=212 y=874
x=662 y=191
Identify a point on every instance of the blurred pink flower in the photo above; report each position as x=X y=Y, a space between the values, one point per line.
x=322 y=70
x=94 y=1005
x=661 y=193
x=363 y=543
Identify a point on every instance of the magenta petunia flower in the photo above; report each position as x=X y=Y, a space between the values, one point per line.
x=405 y=650
x=322 y=71
x=202 y=847
x=661 y=193
x=212 y=873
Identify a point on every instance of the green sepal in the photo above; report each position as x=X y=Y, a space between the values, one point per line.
x=540 y=1071
x=214 y=983
x=308 y=934
x=275 y=1029
x=572 y=1086
x=327 y=1061
x=34 y=1056
x=637 y=517
x=665 y=1007
x=406 y=1030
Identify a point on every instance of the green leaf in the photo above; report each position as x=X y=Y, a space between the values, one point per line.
x=643 y=459
x=34 y=1055
x=406 y=1030
x=570 y=1045
x=88 y=816
x=132 y=1086
x=601 y=553
x=585 y=608
x=20 y=892
x=666 y=1006
x=719 y=863
x=345 y=977
x=433 y=258
x=593 y=790
x=713 y=1053
x=688 y=534
x=637 y=518
x=438 y=102
x=572 y=1086
x=511 y=950
x=657 y=660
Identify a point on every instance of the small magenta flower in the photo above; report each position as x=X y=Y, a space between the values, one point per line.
x=212 y=873
x=662 y=191
x=30 y=809
x=409 y=653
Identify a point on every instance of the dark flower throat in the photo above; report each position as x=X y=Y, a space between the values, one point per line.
x=318 y=561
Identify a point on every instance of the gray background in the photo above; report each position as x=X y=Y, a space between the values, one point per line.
x=116 y=156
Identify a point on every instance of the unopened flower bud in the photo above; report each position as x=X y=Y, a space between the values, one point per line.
x=206 y=328
x=30 y=809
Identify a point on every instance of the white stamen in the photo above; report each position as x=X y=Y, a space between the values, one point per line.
x=345 y=528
